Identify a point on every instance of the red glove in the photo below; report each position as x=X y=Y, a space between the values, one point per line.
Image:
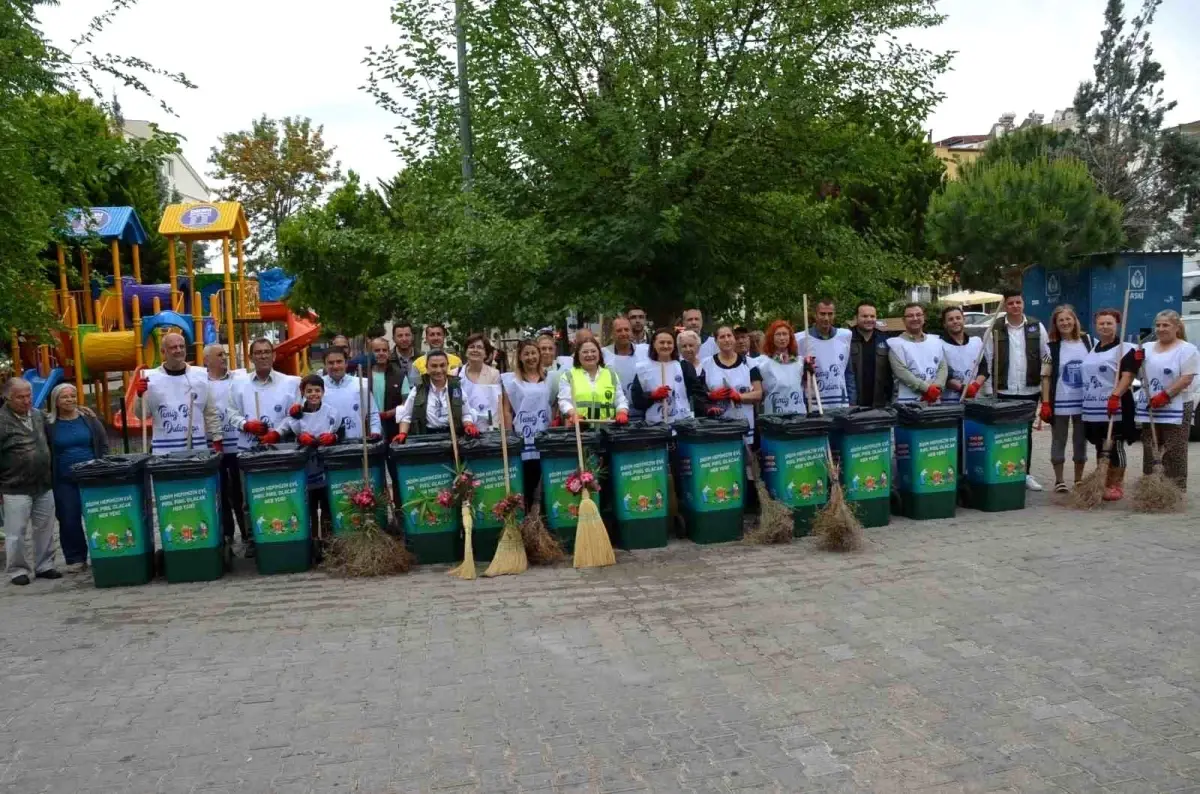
x=254 y=427
x=306 y=440
x=269 y=437
x=373 y=437
x=972 y=389
x=1044 y=412
x=661 y=393
x=556 y=421
x=1113 y=405
x=218 y=446
x=470 y=429
x=714 y=411
x=718 y=395
x=622 y=418
x=932 y=394
x=400 y=437
x=327 y=439
x=1139 y=355
x=1160 y=400
x=141 y=385
x=735 y=395
x=296 y=410
x=387 y=416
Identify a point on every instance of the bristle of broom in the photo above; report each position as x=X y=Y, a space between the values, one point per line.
x=592 y=546
x=541 y=547
x=510 y=555
x=775 y=524
x=467 y=569
x=1156 y=493
x=835 y=525
x=367 y=552
x=1088 y=493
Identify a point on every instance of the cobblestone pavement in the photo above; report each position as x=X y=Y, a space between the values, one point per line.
x=1042 y=650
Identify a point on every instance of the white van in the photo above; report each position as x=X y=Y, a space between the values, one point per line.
x=1191 y=292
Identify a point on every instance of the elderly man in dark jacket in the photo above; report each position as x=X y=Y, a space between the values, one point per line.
x=25 y=484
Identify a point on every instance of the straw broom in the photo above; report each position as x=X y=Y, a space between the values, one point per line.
x=592 y=546
x=541 y=548
x=467 y=569
x=835 y=525
x=775 y=524
x=1088 y=493
x=1155 y=492
x=510 y=557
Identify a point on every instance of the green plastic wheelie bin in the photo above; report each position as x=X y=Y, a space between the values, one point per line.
x=560 y=507
x=423 y=468
x=484 y=457
x=995 y=433
x=344 y=467
x=637 y=470
x=865 y=462
x=187 y=504
x=712 y=473
x=277 y=505
x=795 y=465
x=927 y=458
x=116 y=519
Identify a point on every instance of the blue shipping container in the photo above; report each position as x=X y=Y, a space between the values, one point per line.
x=1154 y=281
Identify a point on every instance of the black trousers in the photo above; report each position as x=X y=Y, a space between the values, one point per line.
x=531 y=476
x=233 y=505
x=1028 y=398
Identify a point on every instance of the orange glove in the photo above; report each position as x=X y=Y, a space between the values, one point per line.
x=327 y=439
x=470 y=429
x=1113 y=406
x=661 y=393
x=306 y=440
x=1045 y=411
x=556 y=421
x=622 y=418
x=400 y=438
x=719 y=395
x=932 y=394
x=142 y=384
x=972 y=389
x=269 y=437
x=296 y=410
x=736 y=396
x=218 y=446
x=254 y=427
x=1160 y=400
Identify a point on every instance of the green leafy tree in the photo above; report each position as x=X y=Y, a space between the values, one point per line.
x=727 y=153
x=53 y=156
x=1120 y=135
x=275 y=169
x=1000 y=217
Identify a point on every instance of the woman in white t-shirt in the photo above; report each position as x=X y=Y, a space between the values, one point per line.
x=527 y=400
x=1062 y=392
x=1169 y=366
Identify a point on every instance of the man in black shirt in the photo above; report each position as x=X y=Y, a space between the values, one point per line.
x=869 y=380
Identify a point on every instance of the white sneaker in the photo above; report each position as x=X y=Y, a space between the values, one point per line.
x=1032 y=484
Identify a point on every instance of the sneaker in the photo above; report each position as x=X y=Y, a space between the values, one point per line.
x=49 y=574
x=1032 y=484
x=76 y=567
x=1114 y=493
x=1060 y=487
x=20 y=580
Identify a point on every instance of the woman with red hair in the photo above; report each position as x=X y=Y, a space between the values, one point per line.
x=782 y=371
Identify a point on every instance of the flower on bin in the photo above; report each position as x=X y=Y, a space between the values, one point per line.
x=445 y=498
x=364 y=501
x=508 y=506
x=579 y=480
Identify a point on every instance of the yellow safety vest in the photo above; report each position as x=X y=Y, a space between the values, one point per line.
x=594 y=400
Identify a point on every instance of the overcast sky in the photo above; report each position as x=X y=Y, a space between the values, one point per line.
x=304 y=57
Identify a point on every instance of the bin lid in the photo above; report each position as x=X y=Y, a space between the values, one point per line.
x=562 y=439
x=349 y=454
x=917 y=414
x=181 y=465
x=794 y=425
x=636 y=435
x=427 y=447
x=280 y=457
x=111 y=470
x=856 y=420
x=991 y=411
x=488 y=446
x=711 y=429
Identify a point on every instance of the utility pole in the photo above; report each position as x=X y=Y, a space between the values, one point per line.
x=464 y=100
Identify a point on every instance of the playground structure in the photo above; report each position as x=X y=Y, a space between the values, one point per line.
x=103 y=328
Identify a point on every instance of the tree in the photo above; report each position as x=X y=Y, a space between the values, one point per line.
x=47 y=165
x=275 y=169
x=1000 y=217
x=1120 y=138
x=726 y=153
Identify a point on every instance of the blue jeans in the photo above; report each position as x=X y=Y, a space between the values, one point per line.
x=69 y=509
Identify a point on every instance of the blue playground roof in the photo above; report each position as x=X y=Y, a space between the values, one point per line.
x=108 y=223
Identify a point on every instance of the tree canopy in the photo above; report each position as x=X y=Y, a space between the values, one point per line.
x=716 y=152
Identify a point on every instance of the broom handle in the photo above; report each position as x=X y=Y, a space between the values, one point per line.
x=453 y=432
x=363 y=396
x=812 y=379
x=662 y=374
x=579 y=443
x=504 y=444
x=191 y=406
x=145 y=399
